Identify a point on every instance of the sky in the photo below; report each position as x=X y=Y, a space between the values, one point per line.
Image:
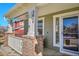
x=69 y=21
x=4 y=8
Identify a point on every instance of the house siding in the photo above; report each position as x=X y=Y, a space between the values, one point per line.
x=48 y=25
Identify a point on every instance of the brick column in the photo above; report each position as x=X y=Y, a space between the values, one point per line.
x=39 y=46
x=28 y=48
x=32 y=46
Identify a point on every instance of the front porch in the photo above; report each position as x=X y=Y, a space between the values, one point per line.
x=7 y=51
x=52 y=52
x=48 y=24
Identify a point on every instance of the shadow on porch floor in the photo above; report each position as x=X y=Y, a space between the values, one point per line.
x=52 y=52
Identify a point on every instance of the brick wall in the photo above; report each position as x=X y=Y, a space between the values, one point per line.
x=39 y=46
x=32 y=46
x=28 y=46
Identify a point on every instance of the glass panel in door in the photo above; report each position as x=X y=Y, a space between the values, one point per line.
x=57 y=31
x=70 y=33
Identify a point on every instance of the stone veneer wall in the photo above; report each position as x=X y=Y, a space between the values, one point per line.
x=32 y=46
x=28 y=48
x=40 y=45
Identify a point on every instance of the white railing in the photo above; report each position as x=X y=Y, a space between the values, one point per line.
x=15 y=43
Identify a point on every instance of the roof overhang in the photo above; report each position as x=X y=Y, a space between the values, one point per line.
x=20 y=6
x=44 y=8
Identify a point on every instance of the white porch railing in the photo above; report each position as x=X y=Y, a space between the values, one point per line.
x=15 y=43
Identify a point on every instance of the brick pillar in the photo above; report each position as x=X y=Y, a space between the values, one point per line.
x=39 y=46
x=28 y=48
x=32 y=46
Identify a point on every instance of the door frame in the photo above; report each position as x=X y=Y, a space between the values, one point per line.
x=54 y=31
x=60 y=30
x=68 y=51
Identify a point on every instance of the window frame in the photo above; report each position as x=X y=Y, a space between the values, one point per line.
x=42 y=25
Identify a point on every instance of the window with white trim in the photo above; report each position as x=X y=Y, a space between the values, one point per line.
x=40 y=26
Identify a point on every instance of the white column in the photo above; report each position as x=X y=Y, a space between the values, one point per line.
x=32 y=22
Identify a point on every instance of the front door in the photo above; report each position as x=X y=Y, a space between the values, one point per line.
x=70 y=35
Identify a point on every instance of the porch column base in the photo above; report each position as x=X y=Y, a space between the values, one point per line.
x=32 y=46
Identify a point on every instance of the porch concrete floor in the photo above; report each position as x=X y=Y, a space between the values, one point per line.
x=7 y=51
x=52 y=52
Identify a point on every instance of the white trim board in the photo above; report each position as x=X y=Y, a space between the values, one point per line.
x=54 y=32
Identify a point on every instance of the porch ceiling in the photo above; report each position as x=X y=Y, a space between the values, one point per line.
x=21 y=7
x=52 y=8
x=43 y=8
x=13 y=10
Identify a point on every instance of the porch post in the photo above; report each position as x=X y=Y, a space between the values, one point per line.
x=32 y=29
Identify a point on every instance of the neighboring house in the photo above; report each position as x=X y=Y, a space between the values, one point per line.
x=54 y=21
